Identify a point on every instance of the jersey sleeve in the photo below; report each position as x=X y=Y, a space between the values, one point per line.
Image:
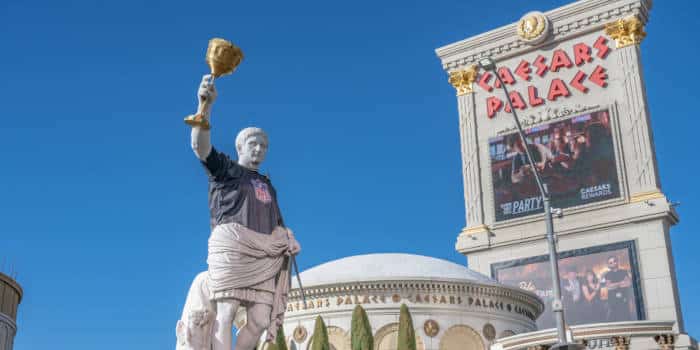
x=219 y=165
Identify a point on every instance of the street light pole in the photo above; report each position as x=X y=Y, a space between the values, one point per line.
x=488 y=64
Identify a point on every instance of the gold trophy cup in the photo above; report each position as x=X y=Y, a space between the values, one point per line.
x=222 y=57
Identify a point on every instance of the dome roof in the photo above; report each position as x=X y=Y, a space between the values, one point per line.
x=392 y=266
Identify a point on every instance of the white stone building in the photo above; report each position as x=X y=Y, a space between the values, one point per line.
x=452 y=307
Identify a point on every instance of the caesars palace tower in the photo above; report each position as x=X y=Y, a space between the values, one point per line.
x=574 y=76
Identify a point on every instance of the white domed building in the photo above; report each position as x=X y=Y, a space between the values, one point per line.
x=453 y=308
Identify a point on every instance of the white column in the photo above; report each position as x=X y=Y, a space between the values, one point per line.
x=470 y=161
x=635 y=125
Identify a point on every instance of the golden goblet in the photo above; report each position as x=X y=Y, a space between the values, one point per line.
x=222 y=57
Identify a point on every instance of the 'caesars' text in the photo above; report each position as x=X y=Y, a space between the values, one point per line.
x=582 y=54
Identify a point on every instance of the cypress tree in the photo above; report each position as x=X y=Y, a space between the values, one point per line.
x=407 y=335
x=319 y=341
x=280 y=340
x=270 y=346
x=279 y=343
x=361 y=331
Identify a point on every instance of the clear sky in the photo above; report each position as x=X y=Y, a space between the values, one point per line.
x=103 y=205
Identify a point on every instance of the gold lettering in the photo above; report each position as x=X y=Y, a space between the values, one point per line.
x=348 y=300
x=443 y=300
x=452 y=299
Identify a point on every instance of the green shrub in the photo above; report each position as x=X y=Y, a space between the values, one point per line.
x=319 y=341
x=361 y=331
x=279 y=343
x=407 y=335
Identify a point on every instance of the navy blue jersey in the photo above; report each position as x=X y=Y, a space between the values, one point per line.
x=241 y=195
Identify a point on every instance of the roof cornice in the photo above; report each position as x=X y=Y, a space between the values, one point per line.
x=568 y=21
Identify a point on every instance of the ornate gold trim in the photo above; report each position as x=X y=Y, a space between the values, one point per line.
x=431 y=328
x=626 y=32
x=531 y=26
x=645 y=196
x=489 y=332
x=299 y=334
x=475 y=229
x=462 y=80
x=198 y=120
x=665 y=341
x=620 y=342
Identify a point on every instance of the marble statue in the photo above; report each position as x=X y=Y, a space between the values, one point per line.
x=249 y=248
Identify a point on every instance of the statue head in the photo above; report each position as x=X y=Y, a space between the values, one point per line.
x=251 y=145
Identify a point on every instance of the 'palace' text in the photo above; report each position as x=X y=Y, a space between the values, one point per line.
x=581 y=53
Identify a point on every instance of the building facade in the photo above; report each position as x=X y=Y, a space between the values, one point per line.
x=10 y=297
x=575 y=79
x=452 y=307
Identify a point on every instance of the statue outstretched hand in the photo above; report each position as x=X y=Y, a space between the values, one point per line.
x=206 y=93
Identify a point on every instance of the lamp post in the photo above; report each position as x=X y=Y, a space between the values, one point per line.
x=488 y=64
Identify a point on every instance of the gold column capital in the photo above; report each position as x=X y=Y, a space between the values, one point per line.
x=665 y=341
x=620 y=342
x=462 y=80
x=645 y=196
x=626 y=31
x=474 y=229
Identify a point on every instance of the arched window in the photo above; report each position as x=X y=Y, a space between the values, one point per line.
x=461 y=337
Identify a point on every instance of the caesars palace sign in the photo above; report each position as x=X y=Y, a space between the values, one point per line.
x=418 y=298
x=585 y=57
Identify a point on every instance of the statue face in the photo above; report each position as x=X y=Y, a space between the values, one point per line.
x=252 y=152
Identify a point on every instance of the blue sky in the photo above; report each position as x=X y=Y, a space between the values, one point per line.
x=103 y=204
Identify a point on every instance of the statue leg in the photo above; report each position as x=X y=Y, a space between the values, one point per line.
x=223 y=328
x=258 y=320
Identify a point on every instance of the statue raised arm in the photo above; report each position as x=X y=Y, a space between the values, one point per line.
x=249 y=246
x=201 y=134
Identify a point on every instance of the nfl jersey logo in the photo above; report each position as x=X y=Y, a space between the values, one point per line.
x=261 y=191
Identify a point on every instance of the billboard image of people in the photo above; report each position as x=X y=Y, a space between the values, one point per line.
x=575 y=158
x=598 y=284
